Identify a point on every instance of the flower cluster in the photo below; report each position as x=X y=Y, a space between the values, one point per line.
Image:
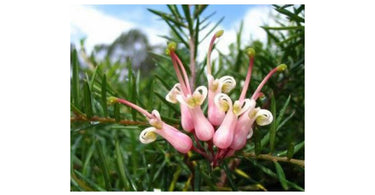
x=228 y=124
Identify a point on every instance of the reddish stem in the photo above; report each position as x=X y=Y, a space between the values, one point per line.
x=135 y=107
x=247 y=80
x=186 y=78
x=257 y=91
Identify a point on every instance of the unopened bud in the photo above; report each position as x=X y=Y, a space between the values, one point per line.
x=219 y=33
x=112 y=100
x=250 y=52
x=281 y=67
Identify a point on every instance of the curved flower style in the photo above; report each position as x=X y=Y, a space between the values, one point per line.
x=180 y=141
x=224 y=84
x=233 y=120
x=202 y=127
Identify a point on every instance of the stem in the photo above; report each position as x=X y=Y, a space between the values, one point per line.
x=135 y=107
x=178 y=73
x=186 y=78
x=209 y=55
x=256 y=95
x=107 y=120
x=275 y=158
x=200 y=152
x=192 y=61
x=247 y=80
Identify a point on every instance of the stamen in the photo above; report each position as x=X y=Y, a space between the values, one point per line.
x=251 y=53
x=217 y=35
x=279 y=68
x=135 y=107
x=186 y=78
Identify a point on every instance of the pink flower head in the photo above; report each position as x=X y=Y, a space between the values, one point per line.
x=224 y=134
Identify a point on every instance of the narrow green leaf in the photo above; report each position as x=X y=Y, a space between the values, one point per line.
x=174 y=179
x=257 y=141
x=212 y=29
x=284 y=28
x=296 y=148
x=175 y=12
x=229 y=176
x=87 y=100
x=117 y=112
x=290 y=150
x=199 y=10
x=93 y=77
x=186 y=9
x=157 y=173
x=281 y=175
x=177 y=34
x=104 y=96
x=170 y=105
x=75 y=77
x=104 y=165
x=167 y=17
x=89 y=182
x=120 y=166
x=282 y=111
x=196 y=38
x=76 y=110
x=88 y=158
x=273 y=125
x=163 y=82
x=197 y=178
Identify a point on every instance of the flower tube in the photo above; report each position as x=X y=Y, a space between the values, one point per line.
x=180 y=141
x=224 y=134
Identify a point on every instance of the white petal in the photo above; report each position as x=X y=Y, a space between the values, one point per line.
x=222 y=99
x=263 y=117
x=202 y=90
x=148 y=135
x=171 y=96
x=227 y=83
x=244 y=107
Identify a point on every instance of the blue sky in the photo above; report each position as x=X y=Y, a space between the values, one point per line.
x=104 y=23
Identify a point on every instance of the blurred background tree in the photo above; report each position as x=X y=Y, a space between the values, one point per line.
x=105 y=152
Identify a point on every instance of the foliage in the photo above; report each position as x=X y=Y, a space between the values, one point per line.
x=106 y=154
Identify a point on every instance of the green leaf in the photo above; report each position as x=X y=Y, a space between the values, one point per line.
x=296 y=148
x=75 y=77
x=229 y=176
x=170 y=105
x=104 y=165
x=290 y=150
x=273 y=125
x=197 y=178
x=120 y=165
x=186 y=9
x=212 y=29
x=282 y=111
x=89 y=182
x=88 y=158
x=284 y=28
x=117 y=112
x=177 y=34
x=199 y=10
x=87 y=100
x=281 y=175
x=174 y=179
x=104 y=96
x=167 y=17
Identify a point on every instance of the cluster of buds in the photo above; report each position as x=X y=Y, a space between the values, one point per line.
x=228 y=124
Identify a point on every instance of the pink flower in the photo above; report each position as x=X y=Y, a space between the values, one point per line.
x=180 y=141
x=224 y=134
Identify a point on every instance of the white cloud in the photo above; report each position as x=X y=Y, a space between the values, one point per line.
x=100 y=28
x=253 y=19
